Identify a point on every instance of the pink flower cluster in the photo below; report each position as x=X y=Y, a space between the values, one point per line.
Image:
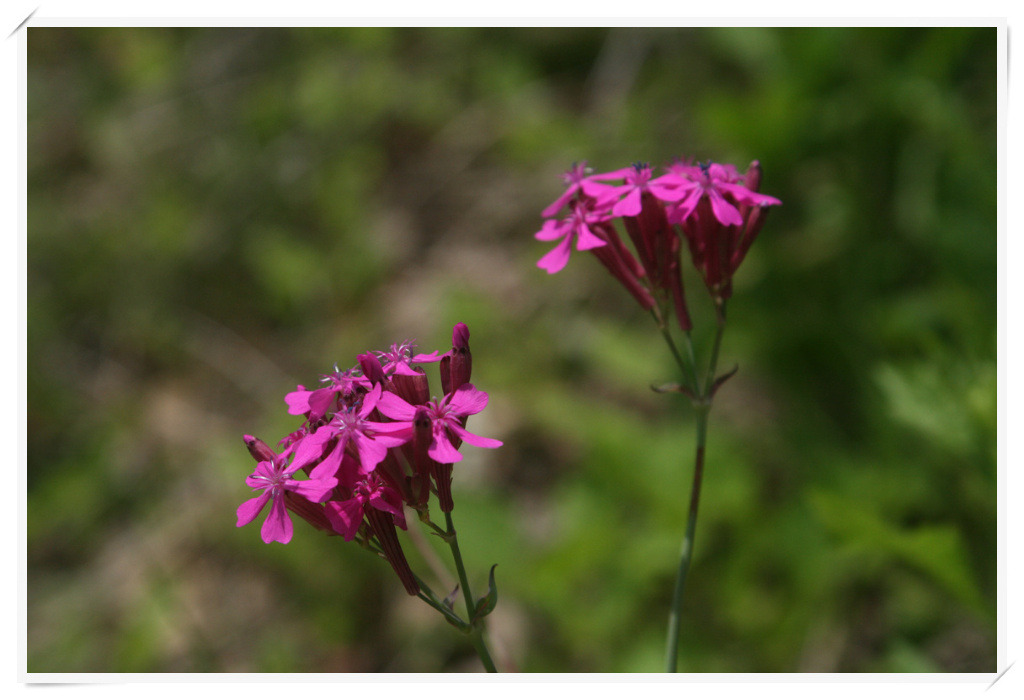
x=372 y=440
x=717 y=210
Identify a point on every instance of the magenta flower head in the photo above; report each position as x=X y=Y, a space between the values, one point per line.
x=720 y=217
x=718 y=211
x=370 y=442
x=274 y=478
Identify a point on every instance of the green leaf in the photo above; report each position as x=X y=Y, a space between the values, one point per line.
x=486 y=604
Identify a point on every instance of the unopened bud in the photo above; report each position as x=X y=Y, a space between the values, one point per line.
x=260 y=451
x=752 y=180
x=371 y=367
x=460 y=336
x=461 y=365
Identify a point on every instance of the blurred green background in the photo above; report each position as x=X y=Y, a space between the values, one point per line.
x=217 y=215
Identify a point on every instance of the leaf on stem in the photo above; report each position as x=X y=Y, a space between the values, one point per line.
x=722 y=379
x=486 y=604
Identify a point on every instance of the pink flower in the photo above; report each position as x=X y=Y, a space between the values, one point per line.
x=720 y=219
x=577 y=225
x=317 y=402
x=718 y=185
x=446 y=418
x=637 y=181
x=273 y=477
x=370 y=438
x=398 y=359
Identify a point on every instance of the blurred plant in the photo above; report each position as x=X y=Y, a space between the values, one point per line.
x=373 y=441
x=718 y=212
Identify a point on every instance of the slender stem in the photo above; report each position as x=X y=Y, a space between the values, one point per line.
x=476 y=633
x=709 y=380
x=703 y=406
x=689 y=369
x=686 y=551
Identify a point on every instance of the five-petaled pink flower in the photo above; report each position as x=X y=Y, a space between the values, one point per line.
x=577 y=225
x=370 y=438
x=274 y=478
x=445 y=416
x=316 y=402
x=398 y=359
x=637 y=180
x=714 y=182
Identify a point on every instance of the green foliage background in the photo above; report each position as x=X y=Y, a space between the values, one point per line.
x=217 y=215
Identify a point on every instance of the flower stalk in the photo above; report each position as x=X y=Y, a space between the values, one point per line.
x=717 y=213
x=475 y=623
x=372 y=442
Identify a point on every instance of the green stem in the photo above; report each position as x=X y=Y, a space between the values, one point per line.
x=686 y=551
x=703 y=406
x=689 y=369
x=476 y=631
x=709 y=380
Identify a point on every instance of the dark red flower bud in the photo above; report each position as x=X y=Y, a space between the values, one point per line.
x=371 y=367
x=259 y=450
x=461 y=366
x=460 y=336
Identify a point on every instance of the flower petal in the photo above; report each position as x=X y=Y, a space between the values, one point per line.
x=557 y=258
x=298 y=401
x=467 y=400
x=724 y=212
x=551 y=230
x=586 y=239
x=478 y=440
x=556 y=206
x=345 y=516
x=628 y=205
x=311 y=447
x=441 y=448
x=315 y=490
x=395 y=407
x=248 y=511
x=278 y=526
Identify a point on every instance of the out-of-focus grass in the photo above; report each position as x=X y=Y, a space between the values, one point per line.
x=216 y=215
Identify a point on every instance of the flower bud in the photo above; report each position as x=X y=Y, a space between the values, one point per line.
x=259 y=450
x=371 y=367
x=460 y=336
x=461 y=365
x=752 y=180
